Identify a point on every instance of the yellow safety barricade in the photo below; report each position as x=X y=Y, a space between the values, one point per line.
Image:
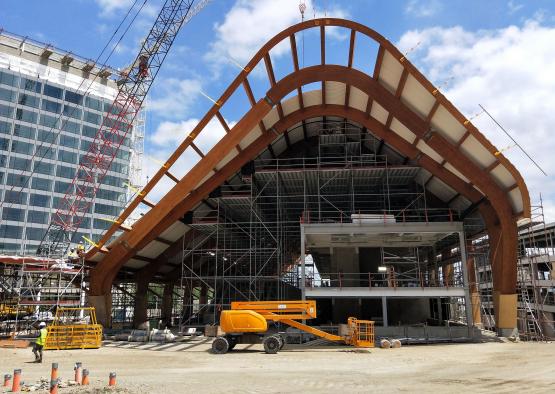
x=66 y=333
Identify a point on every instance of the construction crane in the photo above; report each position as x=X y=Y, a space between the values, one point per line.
x=133 y=87
x=247 y=322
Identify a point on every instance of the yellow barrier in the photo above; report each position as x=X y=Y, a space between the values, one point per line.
x=63 y=336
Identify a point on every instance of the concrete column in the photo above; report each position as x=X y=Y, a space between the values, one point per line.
x=167 y=303
x=467 y=303
x=384 y=311
x=474 y=294
x=103 y=308
x=141 y=303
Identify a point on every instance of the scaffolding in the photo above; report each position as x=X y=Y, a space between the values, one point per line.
x=535 y=278
x=34 y=287
x=244 y=239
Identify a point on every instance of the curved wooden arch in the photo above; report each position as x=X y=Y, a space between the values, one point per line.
x=198 y=183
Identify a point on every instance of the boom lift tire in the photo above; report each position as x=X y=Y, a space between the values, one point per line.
x=220 y=345
x=272 y=344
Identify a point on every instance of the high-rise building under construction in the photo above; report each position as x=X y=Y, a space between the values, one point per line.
x=51 y=105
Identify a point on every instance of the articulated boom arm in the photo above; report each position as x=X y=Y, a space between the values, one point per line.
x=279 y=310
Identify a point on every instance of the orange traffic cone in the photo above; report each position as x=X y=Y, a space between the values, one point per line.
x=112 y=381
x=16 y=384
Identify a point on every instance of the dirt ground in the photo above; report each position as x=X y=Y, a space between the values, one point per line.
x=190 y=368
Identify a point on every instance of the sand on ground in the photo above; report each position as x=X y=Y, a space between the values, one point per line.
x=190 y=367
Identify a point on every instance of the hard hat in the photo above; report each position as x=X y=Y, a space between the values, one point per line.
x=42 y=324
x=80 y=242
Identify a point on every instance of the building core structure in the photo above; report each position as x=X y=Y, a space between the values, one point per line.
x=355 y=183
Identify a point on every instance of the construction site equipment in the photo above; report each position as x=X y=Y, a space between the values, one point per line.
x=74 y=328
x=247 y=322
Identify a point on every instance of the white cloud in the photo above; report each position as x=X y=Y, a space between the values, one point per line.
x=423 y=8
x=164 y=141
x=514 y=6
x=249 y=24
x=174 y=97
x=110 y=6
x=510 y=72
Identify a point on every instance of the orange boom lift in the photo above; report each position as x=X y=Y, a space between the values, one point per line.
x=247 y=322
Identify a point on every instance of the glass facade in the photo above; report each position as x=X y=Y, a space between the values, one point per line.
x=45 y=129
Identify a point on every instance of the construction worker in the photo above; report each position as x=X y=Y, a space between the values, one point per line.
x=72 y=256
x=40 y=342
x=80 y=249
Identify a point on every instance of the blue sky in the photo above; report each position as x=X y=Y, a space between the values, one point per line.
x=498 y=53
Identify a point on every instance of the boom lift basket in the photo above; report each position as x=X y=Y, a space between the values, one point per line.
x=74 y=328
x=361 y=332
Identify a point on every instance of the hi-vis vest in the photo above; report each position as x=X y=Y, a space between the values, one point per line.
x=41 y=340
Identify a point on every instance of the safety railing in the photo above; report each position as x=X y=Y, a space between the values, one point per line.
x=390 y=279
x=425 y=215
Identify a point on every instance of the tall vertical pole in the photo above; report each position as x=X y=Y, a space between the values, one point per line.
x=303 y=279
x=468 y=305
x=384 y=312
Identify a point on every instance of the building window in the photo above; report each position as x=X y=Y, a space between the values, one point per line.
x=22 y=147
x=51 y=106
x=71 y=127
x=48 y=121
x=17 y=180
x=43 y=168
x=28 y=100
x=74 y=98
x=72 y=111
x=92 y=118
x=53 y=91
x=13 y=214
x=15 y=197
x=8 y=79
x=26 y=116
x=65 y=172
x=7 y=231
x=34 y=234
x=63 y=187
x=101 y=224
x=37 y=217
x=41 y=184
x=4 y=143
x=6 y=110
x=93 y=103
x=28 y=84
x=7 y=95
x=123 y=154
x=5 y=127
x=89 y=131
x=67 y=157
x=47 y=136
x=69 y=142
x=45 y=152
x=39 y=200
x=18 y=163
x=106 y=209
x=24 y=131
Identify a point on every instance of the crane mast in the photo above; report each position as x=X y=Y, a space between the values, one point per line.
x=133 y=88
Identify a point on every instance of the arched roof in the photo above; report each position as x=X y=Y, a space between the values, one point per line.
x=396 y=104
